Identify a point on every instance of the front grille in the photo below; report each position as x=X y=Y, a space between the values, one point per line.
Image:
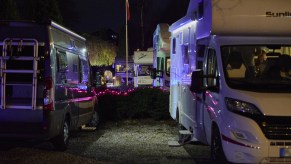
x=274 y=127
x=276 y=160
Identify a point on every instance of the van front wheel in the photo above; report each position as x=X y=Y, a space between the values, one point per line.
x=61 y=142
x=217 y=154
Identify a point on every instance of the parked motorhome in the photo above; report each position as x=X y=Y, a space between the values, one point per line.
x=120 y=70
x=143 y=63
x=45 y=82
x=161 y=58
x=219 y=94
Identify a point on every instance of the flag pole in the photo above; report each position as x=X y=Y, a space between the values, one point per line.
x=126 y=41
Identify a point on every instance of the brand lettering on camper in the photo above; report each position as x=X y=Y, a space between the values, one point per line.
x=142 y=56
x=278 y=14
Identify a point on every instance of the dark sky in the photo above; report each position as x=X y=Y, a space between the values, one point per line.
x=96 y=14
x=93 y=15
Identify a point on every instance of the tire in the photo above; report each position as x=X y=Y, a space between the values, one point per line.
x=95 y=120
x=61 y=142
x=216 y=149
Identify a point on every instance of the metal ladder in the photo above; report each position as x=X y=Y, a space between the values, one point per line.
x=19 y=42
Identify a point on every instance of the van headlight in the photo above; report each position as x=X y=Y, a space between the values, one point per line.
x=242 y=108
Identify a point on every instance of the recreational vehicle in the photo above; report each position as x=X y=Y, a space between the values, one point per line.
x=45 y=82
x=230 y=79
x=142 y=63
x=120 y=70
x=161 y=59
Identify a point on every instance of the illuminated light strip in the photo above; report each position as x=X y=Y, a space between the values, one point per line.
x=66 y=30
x=238 y=143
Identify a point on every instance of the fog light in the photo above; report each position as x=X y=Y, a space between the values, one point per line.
x=239 y=135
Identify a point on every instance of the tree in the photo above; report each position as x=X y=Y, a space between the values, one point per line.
x=101 y=52
x=8 y=10
x=69 y=12
x=45 y=10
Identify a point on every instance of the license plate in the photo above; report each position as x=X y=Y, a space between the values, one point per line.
x=285 y=152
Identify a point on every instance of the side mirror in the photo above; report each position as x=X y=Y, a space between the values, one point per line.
x=153 y=73
x=197 y=81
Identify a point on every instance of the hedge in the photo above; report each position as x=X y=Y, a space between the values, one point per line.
x=129 y=103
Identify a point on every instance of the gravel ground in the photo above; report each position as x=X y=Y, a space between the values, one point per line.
x=129 y=141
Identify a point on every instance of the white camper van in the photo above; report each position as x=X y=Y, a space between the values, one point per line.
x=161 y=59
x=223 y=91
x=143 y=63
x=45 y=82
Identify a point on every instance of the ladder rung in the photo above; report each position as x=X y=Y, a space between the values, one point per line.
x=23 y=43
x=19 y=71
x=18 y=84
x=22 y=107
x=19 y=106
x=18 y=58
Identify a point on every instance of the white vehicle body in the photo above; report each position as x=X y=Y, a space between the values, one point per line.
x=248 y=112
x=143 y=61
x=161 y=59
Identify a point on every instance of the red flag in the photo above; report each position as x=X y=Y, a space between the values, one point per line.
x=127 y=10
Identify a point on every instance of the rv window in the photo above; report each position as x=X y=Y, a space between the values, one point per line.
x=144 y=70
x=120 y=68
x=73 y=66
x=62 y=67
x=185 y=56
x=168 y=66
x=84 y=71
x=162 y=64
x=158 y=63
x=181 y=38
x=62 y=61
x=200 y=56
x=262 y=68
x=200 y=50
x=200 y=10
x=211 y=68
x=174 y=46
x=157 y=42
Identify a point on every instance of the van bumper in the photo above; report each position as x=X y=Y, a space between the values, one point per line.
x=244 y=142
x=261 y=153
x=35 y=125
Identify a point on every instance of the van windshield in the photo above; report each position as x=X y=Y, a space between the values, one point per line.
x=261 y=68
